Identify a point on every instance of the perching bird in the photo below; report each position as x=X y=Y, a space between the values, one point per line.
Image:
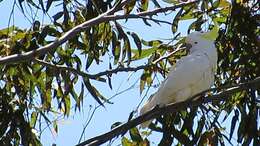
x=192 y=74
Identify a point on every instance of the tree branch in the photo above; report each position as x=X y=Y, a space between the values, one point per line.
x=61 y=67
x=107 y=72
x=171 y=108
x=91 y=76
x=105 y=17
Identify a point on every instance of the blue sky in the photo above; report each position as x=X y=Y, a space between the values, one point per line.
x=70 y=129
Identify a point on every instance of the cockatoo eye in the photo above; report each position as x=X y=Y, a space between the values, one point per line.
x=195 y=42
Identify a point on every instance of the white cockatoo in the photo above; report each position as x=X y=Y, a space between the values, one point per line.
x=192 y=74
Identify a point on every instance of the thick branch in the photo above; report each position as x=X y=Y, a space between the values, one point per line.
x=156 y=112
x=105 y=17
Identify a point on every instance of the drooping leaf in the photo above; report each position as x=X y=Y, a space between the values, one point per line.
x=116 y=48
x=153 y=43
x=212 y=35
x=79 y=101
x=121 y=33
x=145 y=53
x=114 y=125
x=144 y=5
x=135 y=135
x=233 y=123
x=48 y=5
x=129 y=6
x=55 y=126
x=57 y=16
x=126 y=142
x=109 y=82
x=67 y=104
x=42 y=6
x=196 y=25
x=127 y=48
x=34 y=116
x=175 y=21
x=138 y=42
x=33 y=4
x=91 y=90
x=156 y=3
x=145 y=142
x=89 y=61
x=142 y=83
x=21 y=5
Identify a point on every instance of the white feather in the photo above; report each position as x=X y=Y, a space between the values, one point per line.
x=192 y=74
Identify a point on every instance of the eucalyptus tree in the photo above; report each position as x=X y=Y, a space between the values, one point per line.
x=41 y=66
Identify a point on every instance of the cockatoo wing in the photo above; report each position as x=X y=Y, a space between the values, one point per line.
x=191 y=75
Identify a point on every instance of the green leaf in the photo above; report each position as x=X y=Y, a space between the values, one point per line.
x=233 y=123
x=129 y=6
x=216 y=4
x=57 y=16
x=49 y=2
x=190 y=14
x=196 y=25
x=201 y=124
x=145 y=142
x=21 y=5
x=67 y=104
x=212 y=35
x=138 y=42
x=135 y=135
x=242 y=129
x=156 y=3
x=145 y=53
x=224 y=3
x=114 y=125
x=121 y=33
x=80 y=97
x=55 y=126
x=34 y=116
x=36 y=25
x=144 y=5
x=47 y=99
x=109 y=82
x=153 y=43
x=142 y=83
x=175 y=21
x=127 y=47
x=92 y=90
x=33 y=4
x=116 y=48
x=172 y=1
x=89 y=60
x=126 y=142
x=42 y=6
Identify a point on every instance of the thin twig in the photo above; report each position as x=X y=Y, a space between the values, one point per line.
x=168 y=55
x=61 y=67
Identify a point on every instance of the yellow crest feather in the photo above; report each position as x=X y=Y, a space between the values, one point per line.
x=211 y=35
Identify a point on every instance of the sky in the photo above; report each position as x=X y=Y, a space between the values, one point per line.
x=70 y=129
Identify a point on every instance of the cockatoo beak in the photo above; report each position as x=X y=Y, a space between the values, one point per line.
x=187 y=46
